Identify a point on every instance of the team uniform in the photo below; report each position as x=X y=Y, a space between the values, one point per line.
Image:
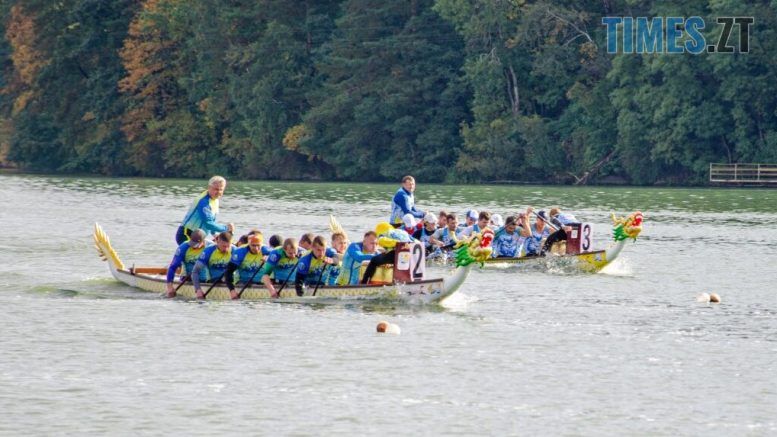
x=447 y=237
x=201 y=215
x=246 y=264
x=280 y=266
x=532 y=245
x=506 y=244
x=469 y=230
x=310 y=270
x=403 y=203
x=187 y=256
x=349 y=270
x=213 y=263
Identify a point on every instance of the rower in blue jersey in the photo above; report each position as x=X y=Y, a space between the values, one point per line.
x=213 y=261
x=404 y=202
x=247 y=261
x=484 y=218
x=339 y=244
x=509 y=239
x=310 y=271
x=447 y=237
x=281 y=265
x=186 y=254
x=203 y=212
x=356 y=254
x=539 y=231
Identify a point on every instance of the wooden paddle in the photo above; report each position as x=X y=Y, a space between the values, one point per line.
x=250 y=280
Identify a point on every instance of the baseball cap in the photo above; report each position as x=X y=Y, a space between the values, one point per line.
x=497 y=220
x=408 y=220
x=430 y=218
x=472 y=214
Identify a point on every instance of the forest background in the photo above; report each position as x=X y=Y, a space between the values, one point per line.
x=370 y=90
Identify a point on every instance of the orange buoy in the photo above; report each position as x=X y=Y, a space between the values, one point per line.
x=383 y=326
x=714 y=298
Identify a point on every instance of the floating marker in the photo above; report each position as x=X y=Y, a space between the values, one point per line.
x=703 y=298
x=388 y=328
x=714 y=298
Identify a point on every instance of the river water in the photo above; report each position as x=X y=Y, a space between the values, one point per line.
x=625 y=351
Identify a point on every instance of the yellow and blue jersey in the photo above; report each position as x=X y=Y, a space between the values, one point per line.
x=349 y=270
x=280 y=266
x=187 y=256
x=403 y=203
x=311 y=269
x=215 y=261
x=202 y=215
x=248 y=263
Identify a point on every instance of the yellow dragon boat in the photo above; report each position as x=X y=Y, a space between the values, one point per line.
x=625 y=228
x=415 y=289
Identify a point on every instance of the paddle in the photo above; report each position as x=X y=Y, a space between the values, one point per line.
x=212 y=285
x=183 y=281
x=546 y=220
x=250 y=280
x=288 y=276
x=320 y=275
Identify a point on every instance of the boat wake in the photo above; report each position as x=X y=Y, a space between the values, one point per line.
x=619 y=267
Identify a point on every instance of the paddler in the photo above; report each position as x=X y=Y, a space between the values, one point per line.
x=404 y=203
x=203 y=212
x=425 y=232
x=339 y=244
x=357 y=253
x=281 y=265
x=538 y=231
x=562 y=221
x=213 y=261
x=484 y=218
x=447 y=236
x=509 y=239
x=246 y=261
x=310 y=271
x=388 y=237
x=186 y=254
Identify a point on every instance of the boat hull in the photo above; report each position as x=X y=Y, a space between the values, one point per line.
x=423 y=292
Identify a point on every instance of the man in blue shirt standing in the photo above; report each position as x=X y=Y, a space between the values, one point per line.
x=404 y=202
x=203 y=212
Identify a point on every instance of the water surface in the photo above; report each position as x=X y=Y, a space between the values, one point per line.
x=626 y=351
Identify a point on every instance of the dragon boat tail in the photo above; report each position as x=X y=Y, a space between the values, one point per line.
x=414 y=291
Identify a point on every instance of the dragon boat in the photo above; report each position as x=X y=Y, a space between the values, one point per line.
x=405 y=280
x=576 y=252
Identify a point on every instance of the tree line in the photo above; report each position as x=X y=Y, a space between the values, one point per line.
x=370 y=90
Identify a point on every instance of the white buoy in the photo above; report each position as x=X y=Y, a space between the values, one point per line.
x=703 y=298
x=714 y=298
x=388 y=328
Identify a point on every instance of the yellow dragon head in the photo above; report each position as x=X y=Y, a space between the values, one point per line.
x=627 y=227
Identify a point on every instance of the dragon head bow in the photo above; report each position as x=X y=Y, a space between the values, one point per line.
x=477 y=248
x=627 y=227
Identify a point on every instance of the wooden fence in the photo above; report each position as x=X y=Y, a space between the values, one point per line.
x=744 y=174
